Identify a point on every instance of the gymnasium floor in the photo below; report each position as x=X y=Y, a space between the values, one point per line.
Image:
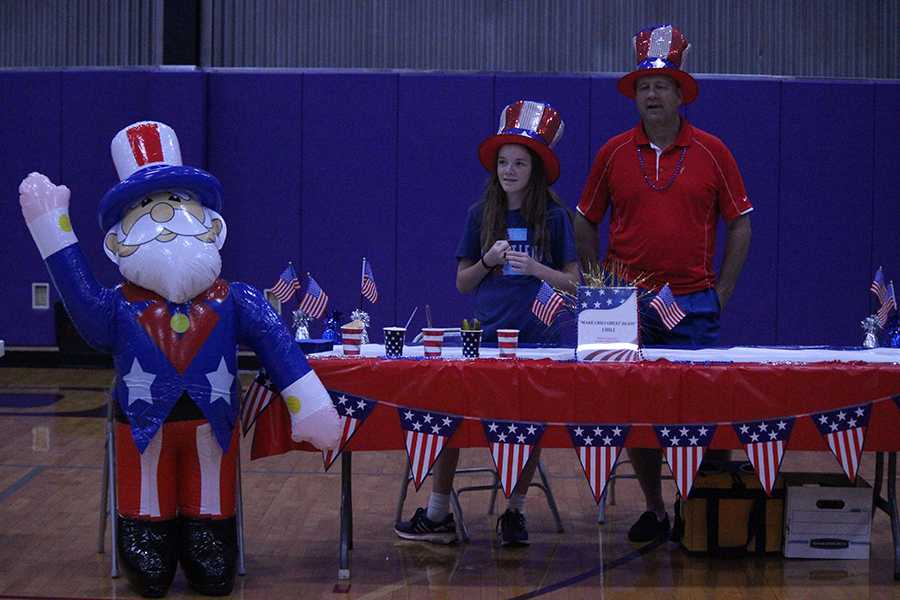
x=51 y=457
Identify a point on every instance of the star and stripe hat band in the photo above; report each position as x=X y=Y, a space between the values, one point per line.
x=147 y=157
x=660 y=50
x=535 y=125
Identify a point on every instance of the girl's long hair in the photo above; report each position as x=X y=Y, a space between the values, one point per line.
x=538 y=196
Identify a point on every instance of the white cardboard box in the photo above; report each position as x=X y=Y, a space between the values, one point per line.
x=827 y=522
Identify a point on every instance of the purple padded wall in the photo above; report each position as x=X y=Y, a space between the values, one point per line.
x=825 y=229
x=886 y=194
x=254 y=140
x=30 y=123
x=442 y=119
x=349 y=189
x=743 y=121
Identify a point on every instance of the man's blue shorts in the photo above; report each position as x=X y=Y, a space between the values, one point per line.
x=699 y=328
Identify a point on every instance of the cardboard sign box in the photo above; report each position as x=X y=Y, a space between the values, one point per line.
x=827 y=521
x=607 y=324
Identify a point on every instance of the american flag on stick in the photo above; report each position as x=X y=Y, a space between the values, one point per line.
x=684 y=445
x=598 y=447
x=845 y=431
x=426 y=435
x=511 y=443
x=287 y=284
x=764 y=442
x=547 y=304
x=368 y=288
x=669 y=311
x=878 y=286
x=888 y=304
x=314 y=301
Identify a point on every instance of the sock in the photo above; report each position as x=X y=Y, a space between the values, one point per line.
x=516 y=502
x=438 y=507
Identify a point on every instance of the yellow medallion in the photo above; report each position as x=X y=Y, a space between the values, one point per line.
x=293 y=404
x=179 y=323
x=64 y=223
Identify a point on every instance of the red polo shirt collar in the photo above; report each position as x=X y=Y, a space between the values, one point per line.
x=685 y=135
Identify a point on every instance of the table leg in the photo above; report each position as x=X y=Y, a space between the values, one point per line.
x=346 y=517
x=895 y=519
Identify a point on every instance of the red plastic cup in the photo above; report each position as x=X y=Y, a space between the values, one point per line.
x=351 y=335
x=433 y=341
x=508 y=342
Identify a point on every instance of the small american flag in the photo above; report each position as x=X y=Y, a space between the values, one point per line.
x=878 y=286
x=669 y=311
x=845 y=431
x=547 y=304
x=426 y=434
x=511 y=443
x=369 y=289
x=314 y=300
x=764 y=442
x=598 y=447
x=353 y=411
x=257 y=397
x=684 y=445
x=287 y=284
x=888 y=304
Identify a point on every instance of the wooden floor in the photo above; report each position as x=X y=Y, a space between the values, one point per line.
x=51 y=457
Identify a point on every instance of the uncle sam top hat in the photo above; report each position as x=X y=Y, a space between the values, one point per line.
x=533 y=124
x=147 y=157
x=661 y=51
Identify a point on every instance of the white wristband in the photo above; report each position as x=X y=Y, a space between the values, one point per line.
x=52 y=231
x=305 y=396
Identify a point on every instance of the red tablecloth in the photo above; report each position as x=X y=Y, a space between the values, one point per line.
x=638 y=393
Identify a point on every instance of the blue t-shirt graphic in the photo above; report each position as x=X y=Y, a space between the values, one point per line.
x=505 y=300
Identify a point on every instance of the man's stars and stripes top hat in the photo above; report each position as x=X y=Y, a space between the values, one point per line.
x=845 y=431
x=684 y=446
x=764 y=442
x=426 y=435
x=511 y=443
x=598 y=447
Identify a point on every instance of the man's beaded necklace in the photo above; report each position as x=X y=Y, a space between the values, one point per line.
x=675 y=172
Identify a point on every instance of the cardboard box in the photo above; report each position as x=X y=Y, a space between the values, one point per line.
x=824 y=517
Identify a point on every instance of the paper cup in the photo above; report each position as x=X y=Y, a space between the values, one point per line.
x=432 y=341
x=393 y=341
x=471 y=342
x=351 y=337
x=508 y=342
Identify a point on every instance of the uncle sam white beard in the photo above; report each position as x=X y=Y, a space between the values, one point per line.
x=177 y=270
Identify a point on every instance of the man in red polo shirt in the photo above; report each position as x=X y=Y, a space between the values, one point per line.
x=665 y=184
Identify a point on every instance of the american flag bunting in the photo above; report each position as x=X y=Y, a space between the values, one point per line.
x=353 y=411
x=598 y=447
x=845 y=431
x=684 y=445
x=547 y=304
x=878 y=286
x=287 y=284
x=764 y=442
x=257 y=397
x=369 y=289
x=669 y=312
x=314 y=301
x=426 y=435
x=511 y=443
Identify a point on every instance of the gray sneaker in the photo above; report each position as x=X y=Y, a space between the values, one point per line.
x=421 y=528
x=511 y=529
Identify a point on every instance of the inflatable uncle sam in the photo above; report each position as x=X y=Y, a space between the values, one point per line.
x=173 y=328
